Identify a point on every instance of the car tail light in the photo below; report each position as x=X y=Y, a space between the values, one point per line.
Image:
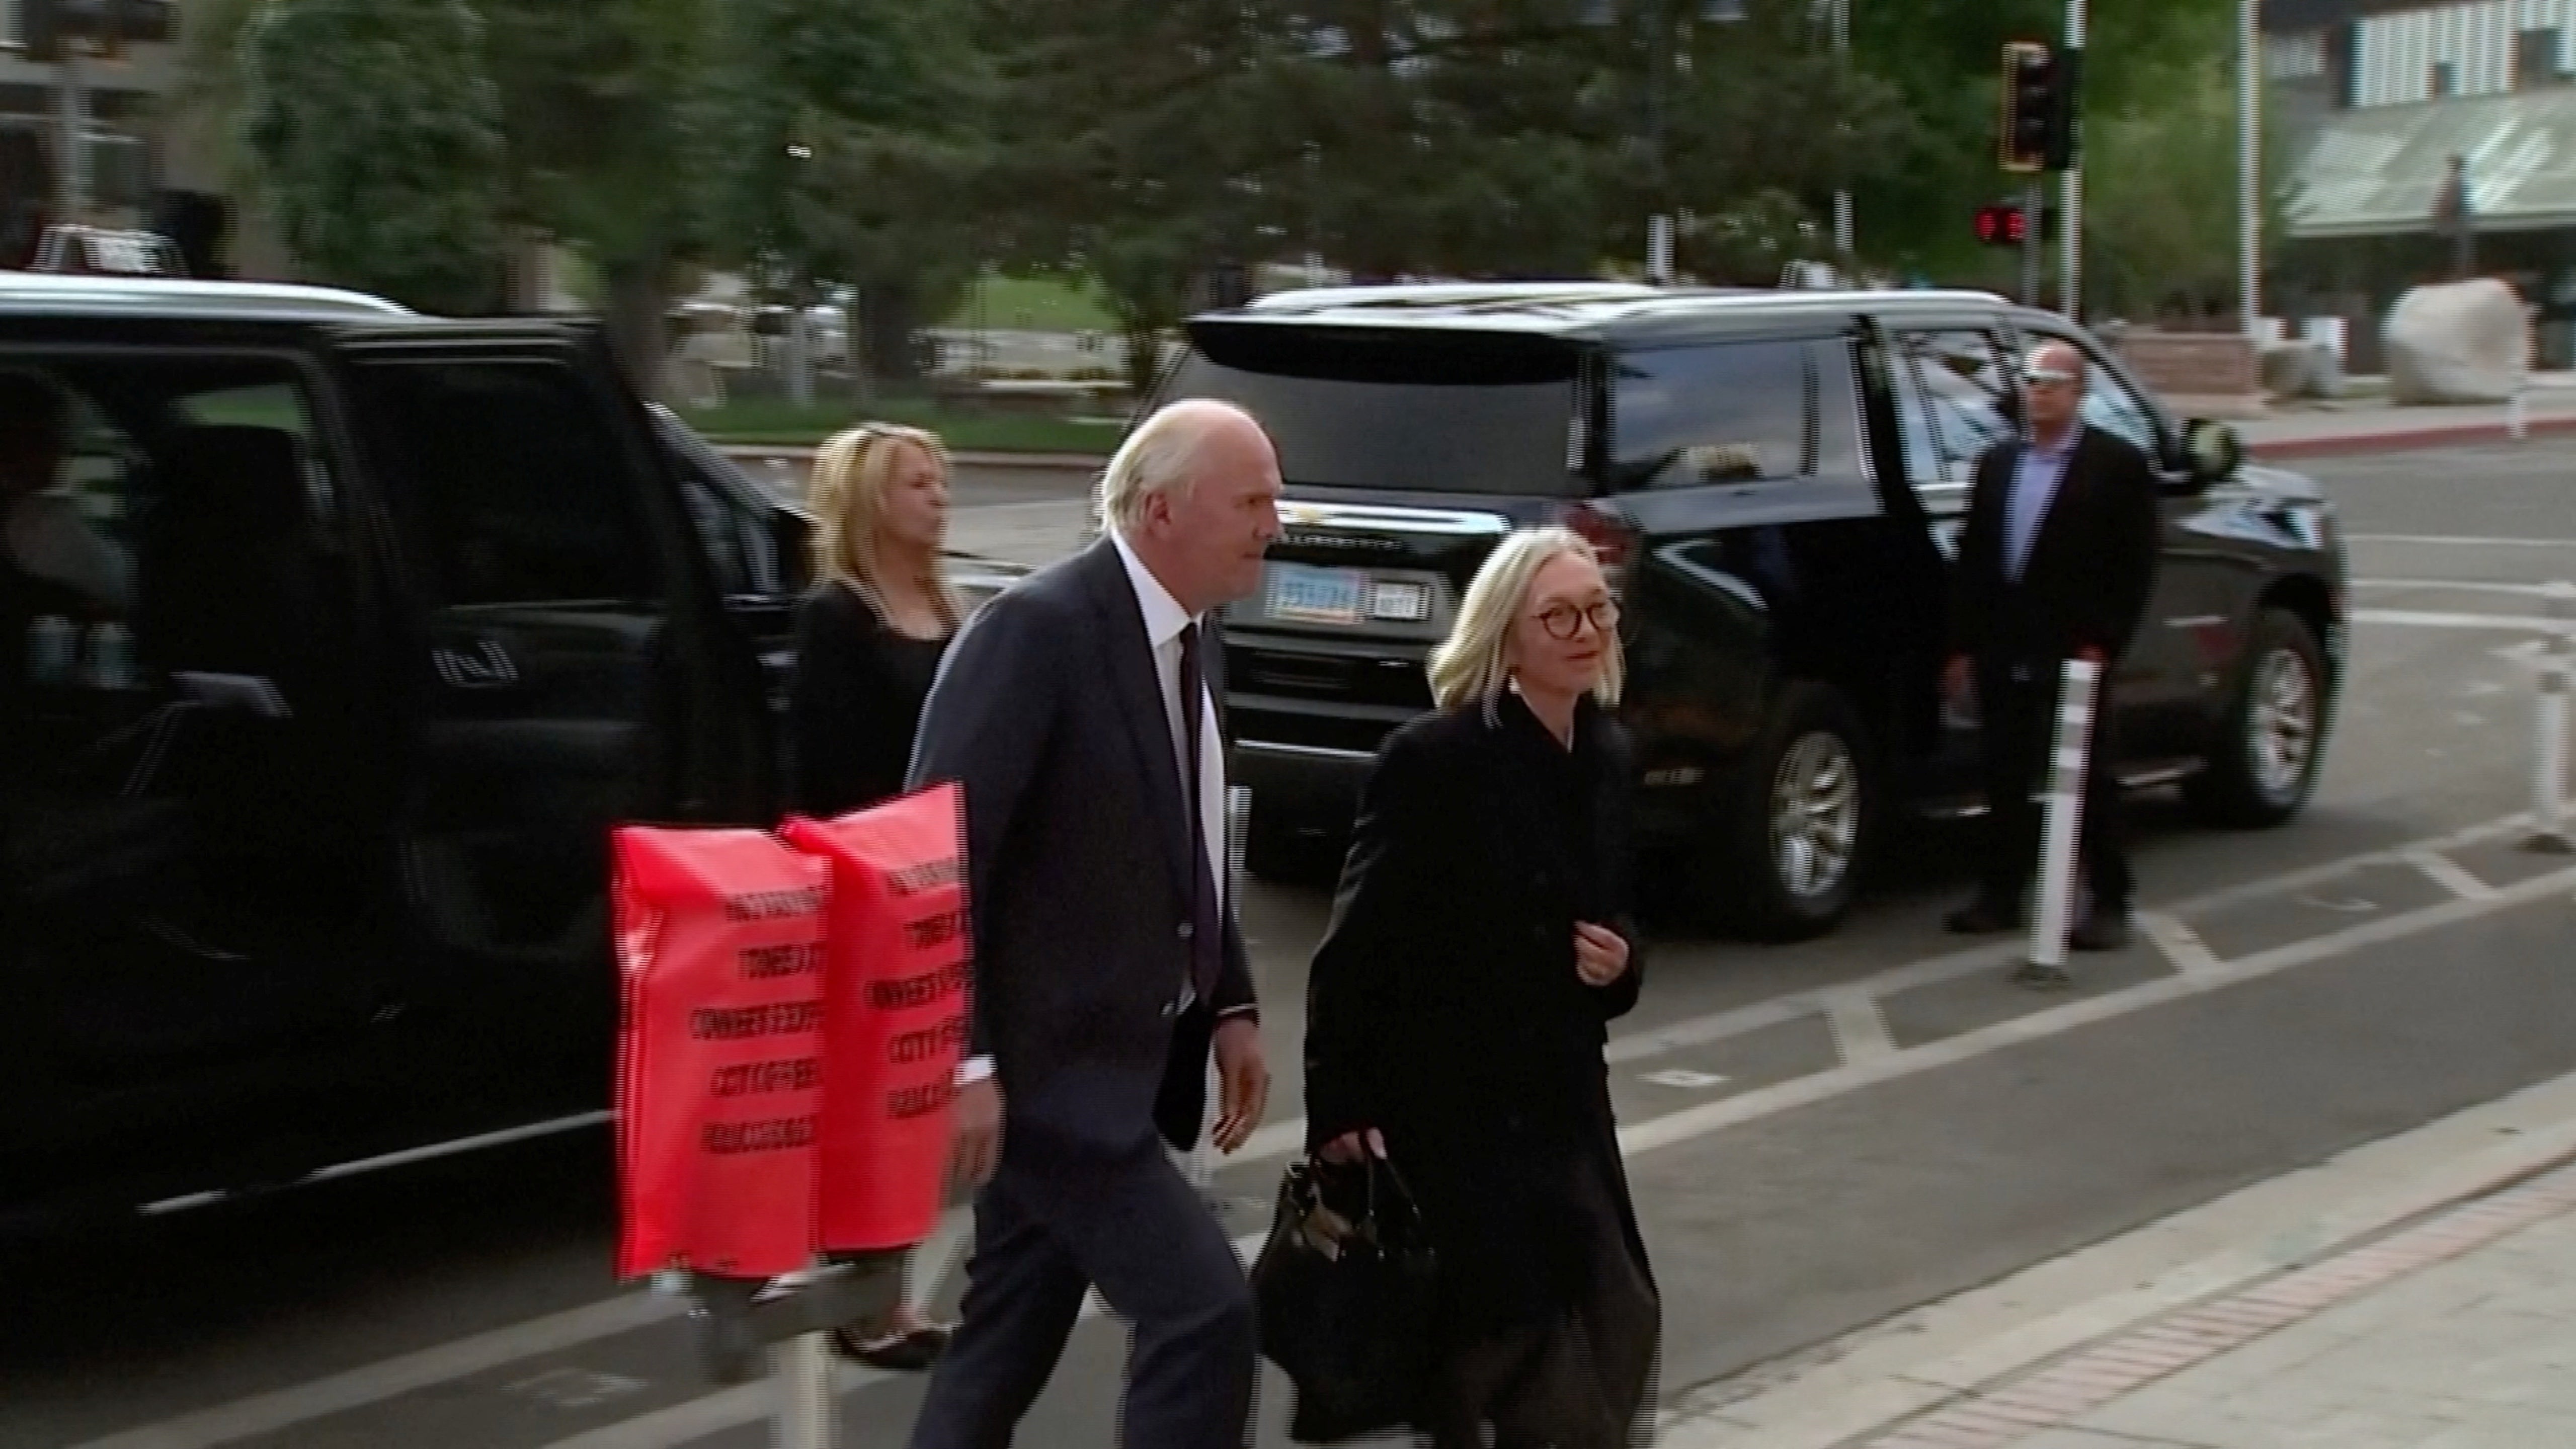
x=1610 y=536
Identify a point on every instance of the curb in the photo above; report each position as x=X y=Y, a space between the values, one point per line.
x=2401 y=440
x=2099 y=1374
x=2312 y=1227
x=797 y=453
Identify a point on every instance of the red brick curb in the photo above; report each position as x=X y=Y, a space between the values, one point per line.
x=2091 y=1378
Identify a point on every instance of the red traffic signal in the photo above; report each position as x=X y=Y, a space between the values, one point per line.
x=2002 y=226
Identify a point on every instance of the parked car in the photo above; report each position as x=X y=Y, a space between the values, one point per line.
x=1777 y=481
x=305 y=856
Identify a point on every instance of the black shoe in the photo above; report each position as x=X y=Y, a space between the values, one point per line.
x=2104 y=929
x=2042 y=978
x=1982 y=917
x=905 y=1353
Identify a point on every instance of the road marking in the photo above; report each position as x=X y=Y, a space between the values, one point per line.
x=1694 y=1122
x=2450 y=875
x=388 y=1378
x=2457 y=541
x=2454 y=586
x=268 y=1412
x=1684 y=1079
x=1860 y=1028
x=2429 y=619
x=2181 y=944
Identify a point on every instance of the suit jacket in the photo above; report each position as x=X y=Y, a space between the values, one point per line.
x=1048 y=710
x=2091 y=568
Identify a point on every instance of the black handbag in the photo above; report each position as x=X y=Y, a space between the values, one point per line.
x=1343 y=1291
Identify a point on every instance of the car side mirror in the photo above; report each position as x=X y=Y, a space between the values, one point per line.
x=2212 y=450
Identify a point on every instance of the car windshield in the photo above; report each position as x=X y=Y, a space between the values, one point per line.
x=1399 y=415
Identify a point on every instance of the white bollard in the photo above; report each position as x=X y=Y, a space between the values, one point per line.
x=2056 y=913
x=2516 y=425
x=2549 y=772
x=803 y=1367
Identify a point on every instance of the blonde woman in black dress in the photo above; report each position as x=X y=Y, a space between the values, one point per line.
x=869 y=639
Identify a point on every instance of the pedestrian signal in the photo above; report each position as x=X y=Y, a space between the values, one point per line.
x=2002 y=226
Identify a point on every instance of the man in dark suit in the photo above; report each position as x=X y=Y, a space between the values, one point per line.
x=1079 y=710
x=2057 y=563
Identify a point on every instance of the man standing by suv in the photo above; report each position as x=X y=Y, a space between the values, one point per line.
x=2057 y=562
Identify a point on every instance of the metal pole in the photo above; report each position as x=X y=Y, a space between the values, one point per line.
x=1843 y=238
x=2070 y=271
x=2034 y=201
x=803 y=1367
x=2074 y=733
x=71 y=123
x=1659 y=63
x=2249 y=163
x=2549 y=775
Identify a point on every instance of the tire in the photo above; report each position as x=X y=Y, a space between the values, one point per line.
x=1791 y=848
x=2263 y=765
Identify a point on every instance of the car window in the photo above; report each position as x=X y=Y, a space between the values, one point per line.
x=1735 y=412
x=2111 y=405
x=1962 y=390
x=513 y=487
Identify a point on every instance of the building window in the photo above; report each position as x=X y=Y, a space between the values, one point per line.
x=2445 y=80
x=2536 y=59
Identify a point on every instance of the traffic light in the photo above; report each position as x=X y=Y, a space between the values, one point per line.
x=2039 y=107
x=2003 y=225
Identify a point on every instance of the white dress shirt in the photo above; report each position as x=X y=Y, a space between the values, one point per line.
x=1164 y=621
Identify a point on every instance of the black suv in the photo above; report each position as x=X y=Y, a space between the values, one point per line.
x=343 y=638
x=1777 y=480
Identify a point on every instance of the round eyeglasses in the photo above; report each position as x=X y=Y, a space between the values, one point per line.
x=1565 y=621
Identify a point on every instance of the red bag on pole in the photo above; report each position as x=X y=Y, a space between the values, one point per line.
x=897 y=978
x=719 y=953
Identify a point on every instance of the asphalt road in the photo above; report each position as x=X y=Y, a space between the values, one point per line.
x=1820 y=1135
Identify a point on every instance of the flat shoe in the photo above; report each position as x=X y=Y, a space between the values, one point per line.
x=904 y=1353
x=2042 y=978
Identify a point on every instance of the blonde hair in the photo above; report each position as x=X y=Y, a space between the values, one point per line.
x=851 y=473
x=1474 y=662
x=1161 y=456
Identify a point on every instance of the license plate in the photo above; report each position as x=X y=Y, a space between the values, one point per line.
x=1302 y=595
x=1401 y=603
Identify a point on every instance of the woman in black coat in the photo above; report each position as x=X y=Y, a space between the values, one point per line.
x=868 y=642
x=1479 y=946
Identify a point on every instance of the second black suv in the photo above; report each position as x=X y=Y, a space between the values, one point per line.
x=1777 y=481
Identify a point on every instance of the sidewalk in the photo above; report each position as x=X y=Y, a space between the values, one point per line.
x=2416 y=1294
x=2458 y=1333
x=2317 y=432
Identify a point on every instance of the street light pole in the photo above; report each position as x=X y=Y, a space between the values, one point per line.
x=2070 y=275
x=1659 y=225
x=2249 y=164
x=71 y=129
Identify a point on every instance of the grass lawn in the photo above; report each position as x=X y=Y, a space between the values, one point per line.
x=780 y=423
x=1039 y=304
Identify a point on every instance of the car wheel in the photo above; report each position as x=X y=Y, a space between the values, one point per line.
x=1796 y=840
x=2271 y=739
x=1279 y=850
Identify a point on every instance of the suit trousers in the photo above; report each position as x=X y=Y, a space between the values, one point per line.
x=2018 y=704
x=1050 y=1227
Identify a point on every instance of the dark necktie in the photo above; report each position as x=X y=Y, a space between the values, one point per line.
x=1207 y=932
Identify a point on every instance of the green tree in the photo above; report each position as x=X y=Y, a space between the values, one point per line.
x=378 y=135
x=2161 y=212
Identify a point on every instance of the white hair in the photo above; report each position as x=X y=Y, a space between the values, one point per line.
x=1160 y=456
x=1474 y=662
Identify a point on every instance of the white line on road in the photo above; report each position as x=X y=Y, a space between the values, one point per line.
x=2461 y=586
x=2181 y=944
x=387 y=1378
x=1860 y=1028
x=269 y=1412
x=2456 y=541
x=2429 y=619
x=2450 y=875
